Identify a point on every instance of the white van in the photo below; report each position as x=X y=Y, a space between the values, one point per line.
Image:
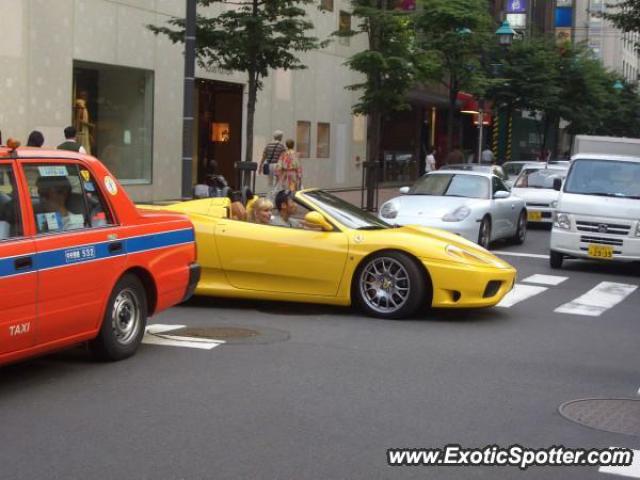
x=598 y=212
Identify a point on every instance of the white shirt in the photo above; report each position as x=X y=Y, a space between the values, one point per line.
x=430 y=164
x=487 y=156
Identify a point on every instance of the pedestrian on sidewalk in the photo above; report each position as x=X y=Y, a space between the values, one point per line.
x=430 y=163
x=36 y=139
x=289 y=170
x=271 y=155
x=487 y=156
x=71 y=143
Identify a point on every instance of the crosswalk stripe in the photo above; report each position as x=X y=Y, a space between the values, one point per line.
x=598 y=300
x=159 y=334
x=520 y=293
x=540 y=279
x=631 y=471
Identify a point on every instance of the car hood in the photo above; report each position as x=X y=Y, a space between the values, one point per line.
x=426 y=243
x=426 y=206
x=536 y=195
x=596 y=206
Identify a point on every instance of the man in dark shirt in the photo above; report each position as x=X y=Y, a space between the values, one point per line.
x=270 y=156
x=71 y=143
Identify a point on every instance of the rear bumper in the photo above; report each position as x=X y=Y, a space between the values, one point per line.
x=194 y=278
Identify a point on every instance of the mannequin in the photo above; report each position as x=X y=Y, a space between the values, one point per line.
x=82 y=124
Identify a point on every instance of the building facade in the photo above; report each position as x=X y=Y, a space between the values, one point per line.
x=95 y=65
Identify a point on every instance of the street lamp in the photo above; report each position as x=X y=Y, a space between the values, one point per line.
x=505 y=34
x=618 y=86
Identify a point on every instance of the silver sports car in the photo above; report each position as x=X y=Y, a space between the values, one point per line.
x=476 y=205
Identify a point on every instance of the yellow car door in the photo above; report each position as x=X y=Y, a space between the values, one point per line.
x=280 y=259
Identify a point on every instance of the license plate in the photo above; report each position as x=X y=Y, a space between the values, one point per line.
x=600 y=251
x=534 y=216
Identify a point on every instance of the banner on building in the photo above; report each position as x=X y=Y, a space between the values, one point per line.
x=517 y=6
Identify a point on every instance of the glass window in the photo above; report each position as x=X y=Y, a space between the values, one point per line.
x=451 y=185
x=65 y=197
x=606 y=178
x=326 y=5
x=498 y=185
x=346 y=213
x=324 y=140
x=113 y=114
x=344 y=26
x=10 y=218
x=539 y=178
x=303 y=139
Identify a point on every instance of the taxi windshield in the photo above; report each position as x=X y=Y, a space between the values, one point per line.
x=346 y=213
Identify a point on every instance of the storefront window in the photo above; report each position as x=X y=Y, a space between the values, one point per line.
x=303 y=139
x=113 y=115
x=324 y=140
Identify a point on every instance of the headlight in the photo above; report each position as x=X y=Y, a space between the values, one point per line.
x=554 y=204
x=462 y=254
x=388 y=210
x=457 y=215
x=562 y=221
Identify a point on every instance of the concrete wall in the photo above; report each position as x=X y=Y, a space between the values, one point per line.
x=44 y=37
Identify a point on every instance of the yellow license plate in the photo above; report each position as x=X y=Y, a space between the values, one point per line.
x=534 y=216
x=600 y=251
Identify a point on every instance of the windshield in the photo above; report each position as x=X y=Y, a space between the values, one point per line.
x=539 y=178
x=452 y=185
x=346 y=213
x=606 y=178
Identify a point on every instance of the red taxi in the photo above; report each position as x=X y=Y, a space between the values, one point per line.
x=78 y=261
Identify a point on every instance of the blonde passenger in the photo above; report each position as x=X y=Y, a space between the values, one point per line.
x=261 y=211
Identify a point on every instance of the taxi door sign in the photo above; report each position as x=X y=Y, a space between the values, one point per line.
x=82 y=254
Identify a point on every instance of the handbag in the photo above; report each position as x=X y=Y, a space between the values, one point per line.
x=265 y=168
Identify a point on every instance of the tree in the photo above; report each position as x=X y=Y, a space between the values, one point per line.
x=390 y=66
x=456 y=32
x=251 y=36
x=625 y=15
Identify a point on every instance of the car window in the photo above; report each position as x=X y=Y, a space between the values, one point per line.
x=10 y=217
x=607 y=178
x=452 y=185
x=65 y=197
x=498 y=185
x=539 y=178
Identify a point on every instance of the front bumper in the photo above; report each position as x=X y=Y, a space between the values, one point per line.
x=194 y=278
x=456 y=285
x=625 y=248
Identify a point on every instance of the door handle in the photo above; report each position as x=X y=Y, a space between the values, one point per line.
x=23 y=263
x=115 y=247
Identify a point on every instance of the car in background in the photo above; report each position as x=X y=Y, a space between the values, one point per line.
x=513 y=169
x=536 y=186
x=598 y=213
x=475 y=205
x=343 y=256
x=78 y=261
x=475 y=167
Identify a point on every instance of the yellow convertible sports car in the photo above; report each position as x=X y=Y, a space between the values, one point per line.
x=343 y=256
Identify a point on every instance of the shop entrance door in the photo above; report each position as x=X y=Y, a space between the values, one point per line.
x=219 y=127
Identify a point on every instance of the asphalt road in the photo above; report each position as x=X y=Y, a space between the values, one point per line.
x=327 y=398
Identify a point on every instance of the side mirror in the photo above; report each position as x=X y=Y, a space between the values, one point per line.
x=501 y=194
x=315 y=220
x=557 y=184
x=404 y=190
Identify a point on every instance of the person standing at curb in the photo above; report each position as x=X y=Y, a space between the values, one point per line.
x=271 y=155
x=71 y=143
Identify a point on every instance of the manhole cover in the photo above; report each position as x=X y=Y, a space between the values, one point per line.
x=234 y=335
x=615 y=415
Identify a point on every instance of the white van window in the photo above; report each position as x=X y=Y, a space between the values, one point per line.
x=607 y=178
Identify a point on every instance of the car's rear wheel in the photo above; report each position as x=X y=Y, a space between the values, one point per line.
x=521 y=230
x=390 y=285
x=124 y=321
x=484 y=234
x=555 y=259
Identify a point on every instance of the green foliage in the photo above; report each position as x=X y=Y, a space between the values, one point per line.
x=250 y=36
x=391 y=64
x=625 y=15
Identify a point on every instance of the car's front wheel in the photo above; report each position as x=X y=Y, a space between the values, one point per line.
x=484 y=234
x=124 y=321
x=390 y=285
x=521 y=230
x=555 y=259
